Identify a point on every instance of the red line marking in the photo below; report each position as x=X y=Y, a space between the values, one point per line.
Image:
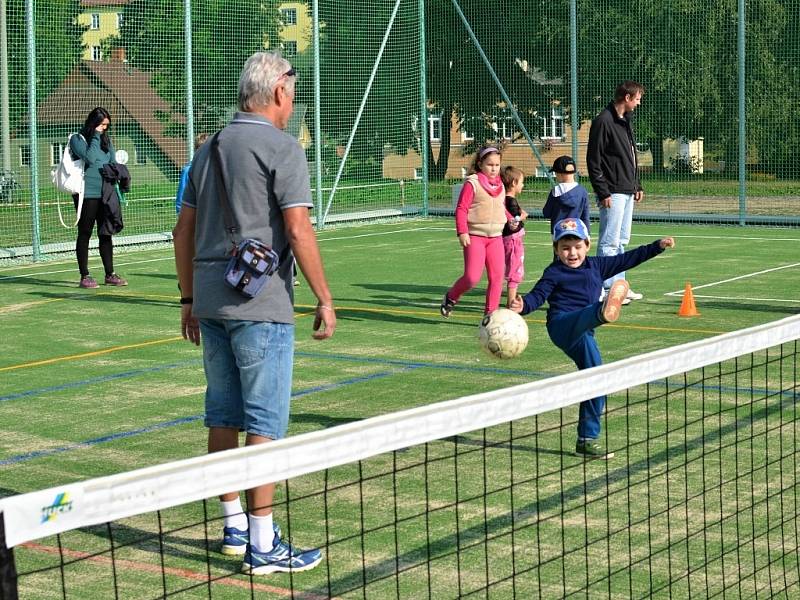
x=185 y=573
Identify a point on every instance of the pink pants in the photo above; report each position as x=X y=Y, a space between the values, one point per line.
x=514 y=247
x=488 y=252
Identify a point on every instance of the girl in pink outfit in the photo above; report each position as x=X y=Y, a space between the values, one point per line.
x=481 y=216
x=514 y=231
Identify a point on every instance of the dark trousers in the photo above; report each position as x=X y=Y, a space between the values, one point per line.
x=91 y=213
x=573 y=332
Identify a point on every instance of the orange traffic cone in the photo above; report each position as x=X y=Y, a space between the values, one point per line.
x=688 y=309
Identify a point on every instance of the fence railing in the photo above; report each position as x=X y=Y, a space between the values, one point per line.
x=394 y=95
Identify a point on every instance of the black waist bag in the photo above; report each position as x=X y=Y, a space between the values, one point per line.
x=251 y=267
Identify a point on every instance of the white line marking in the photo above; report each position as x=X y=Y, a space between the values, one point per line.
x=363 y=235
x=124 y=264
x=750 y=299
x=713 y=283
x=725 y=237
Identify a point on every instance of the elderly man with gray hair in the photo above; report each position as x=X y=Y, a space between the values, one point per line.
x=248 y=343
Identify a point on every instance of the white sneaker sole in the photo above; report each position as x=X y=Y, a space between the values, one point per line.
x=606 y=456
x=267 y=569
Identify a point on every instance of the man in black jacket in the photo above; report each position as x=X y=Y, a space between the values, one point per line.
x=614 y=173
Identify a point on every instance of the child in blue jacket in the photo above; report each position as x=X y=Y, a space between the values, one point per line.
x=568 y=198
x=571 y=285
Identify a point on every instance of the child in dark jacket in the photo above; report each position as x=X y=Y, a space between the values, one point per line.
x=568 y=198
x=571 y=286
x=514 y=231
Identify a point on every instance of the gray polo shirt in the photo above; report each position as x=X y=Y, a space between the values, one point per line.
x=265 y=172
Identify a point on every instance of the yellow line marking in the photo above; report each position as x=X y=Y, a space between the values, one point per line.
x=9 y=308
x=172 y=297
x=666 y=329
x=57 y=359
x=462 y=317
x=84 y=296
x=476 y=318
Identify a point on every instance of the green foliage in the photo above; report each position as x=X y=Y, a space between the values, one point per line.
x=684 y=52
x=685 y=165
x=349 y=44
x=224 y=34
x=58 y=50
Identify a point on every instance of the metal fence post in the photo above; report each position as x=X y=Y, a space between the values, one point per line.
x=423 y=101
x=34 y=138
x=573 y=74
x=187 y=41
x=742 y=108
x=317 y=118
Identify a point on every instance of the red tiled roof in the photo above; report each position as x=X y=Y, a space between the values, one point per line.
x=124 y=92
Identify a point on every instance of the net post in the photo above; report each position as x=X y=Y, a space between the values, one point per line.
x=8 y=571
x=423 y=101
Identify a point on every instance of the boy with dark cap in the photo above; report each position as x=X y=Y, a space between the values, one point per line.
x=571 y=285
x=568 y=198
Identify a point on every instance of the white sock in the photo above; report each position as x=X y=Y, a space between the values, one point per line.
x=261 y=533
x=234 y=514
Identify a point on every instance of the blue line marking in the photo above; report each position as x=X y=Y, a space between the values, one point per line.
x=101 y=379
x=181 y=421
x=403 y=364
x=99 y=440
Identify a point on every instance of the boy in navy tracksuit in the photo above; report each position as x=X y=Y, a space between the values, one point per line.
x=571 y=285
x=568 y=198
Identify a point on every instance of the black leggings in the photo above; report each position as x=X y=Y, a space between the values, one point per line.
x=91 y=213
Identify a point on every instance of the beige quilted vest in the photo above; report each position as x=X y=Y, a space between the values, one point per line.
x=487 y=215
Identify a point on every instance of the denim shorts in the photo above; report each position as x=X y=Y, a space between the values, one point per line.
x=248 y=367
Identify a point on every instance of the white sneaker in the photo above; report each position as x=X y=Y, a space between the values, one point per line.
x=634 y=295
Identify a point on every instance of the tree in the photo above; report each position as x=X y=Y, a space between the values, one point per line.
x=685 y=54
x=224 y=34
x=460 y=86
x=350 y=39
x=58 y=50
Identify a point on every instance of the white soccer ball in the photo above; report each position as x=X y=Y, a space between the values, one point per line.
x=503 y=333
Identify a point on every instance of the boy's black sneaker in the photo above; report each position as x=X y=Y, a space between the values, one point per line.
x=592 y=450
x=447 y=306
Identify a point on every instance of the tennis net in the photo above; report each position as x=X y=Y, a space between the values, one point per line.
x=478 y=496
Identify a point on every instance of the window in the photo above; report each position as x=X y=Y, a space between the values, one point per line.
x=553 y=126
x=435 y=128
x=463 y=172
x=119 y=21
x=468 y=129
x=97 y=53
x=95 y=24
x=417 y=173
x=506 y=128
x=56 y=151
x=289 y=16
x=24 y=156
x=289 y=49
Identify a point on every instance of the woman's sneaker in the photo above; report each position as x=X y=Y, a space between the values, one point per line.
x=612 y=305
x=87 y=282
x=447 y=306
x=282 y=558
x=115 y=279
